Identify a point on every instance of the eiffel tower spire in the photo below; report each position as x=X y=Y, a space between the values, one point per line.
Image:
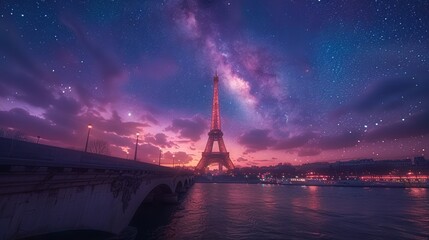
x=215 y=135
x=215 y=108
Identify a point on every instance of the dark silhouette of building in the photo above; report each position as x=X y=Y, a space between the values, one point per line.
x=420 y=161
x=210 y=156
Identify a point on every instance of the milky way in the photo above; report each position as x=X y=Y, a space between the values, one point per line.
x=301 y=81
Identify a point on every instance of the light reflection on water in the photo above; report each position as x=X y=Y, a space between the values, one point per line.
x=241 y=211
x=417 y=192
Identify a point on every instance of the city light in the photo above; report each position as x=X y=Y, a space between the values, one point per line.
x=87 y=137
x=137 y=142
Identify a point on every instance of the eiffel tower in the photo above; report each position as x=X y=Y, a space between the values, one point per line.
x=215 y=135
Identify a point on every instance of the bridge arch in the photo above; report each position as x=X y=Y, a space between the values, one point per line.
x=179 y=187
x=157 y=192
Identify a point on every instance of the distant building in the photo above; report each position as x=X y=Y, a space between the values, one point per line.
x=396 y=163
x=355 y=163
x=419 y=161
x=314 y=166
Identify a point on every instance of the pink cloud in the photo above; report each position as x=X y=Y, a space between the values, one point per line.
x=179 y=158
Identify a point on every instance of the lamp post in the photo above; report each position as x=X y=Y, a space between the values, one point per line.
x=137 y=142
x=87 y=137
x=159 y=159
x=173 y=160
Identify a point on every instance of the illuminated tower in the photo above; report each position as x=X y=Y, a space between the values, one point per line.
x=219 y=155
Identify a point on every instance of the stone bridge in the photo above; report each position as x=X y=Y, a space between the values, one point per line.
x=46 y=189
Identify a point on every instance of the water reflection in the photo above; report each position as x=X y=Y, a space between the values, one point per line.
x=417 y=214
x=240 y=211
x=417 y=192
x=314 y=199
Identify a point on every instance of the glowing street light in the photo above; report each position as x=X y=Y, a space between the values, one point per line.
x=87 y=137
x=137 y=142
x=173 y=160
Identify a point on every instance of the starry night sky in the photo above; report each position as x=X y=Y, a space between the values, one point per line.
x=300 y=81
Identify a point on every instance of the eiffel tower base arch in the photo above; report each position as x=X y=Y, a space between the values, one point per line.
x=214 y=157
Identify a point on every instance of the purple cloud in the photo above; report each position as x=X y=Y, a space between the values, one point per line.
x=18 y=53
x=189 y=128
x=115 y=139
x=111 y=73
x=25 y=88
x=388 y=95
x=256 y=140
x=160 y=140
x=148 y=153
x=415 y=126
x=343 y=140
x=304 y=152
x=294 y=142
x=116 y=125
x=32 y=126
x=241 y=159
x=150 y=118
x=64 y=112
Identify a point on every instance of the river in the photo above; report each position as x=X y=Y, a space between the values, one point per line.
x=257 y=211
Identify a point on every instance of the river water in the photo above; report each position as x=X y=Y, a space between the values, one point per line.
x=256 y=211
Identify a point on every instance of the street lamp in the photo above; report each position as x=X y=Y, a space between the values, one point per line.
x=87 y=137
x=137 y=142
x=159 y=160
x=173 y=160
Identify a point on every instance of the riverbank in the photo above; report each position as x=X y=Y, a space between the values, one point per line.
x=312 y=182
